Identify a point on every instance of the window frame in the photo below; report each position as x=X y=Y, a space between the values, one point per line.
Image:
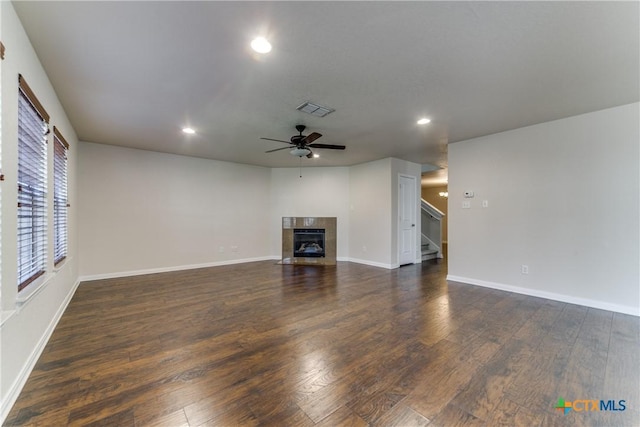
x=60 y=198
x=32 y=215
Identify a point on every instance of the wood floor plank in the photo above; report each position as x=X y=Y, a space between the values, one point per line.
x=508 y=414
x=164 y=405
x=284 y=413
x=622 y=374
x=28 y=417
x=584 y=374
x=373 y=407
x=453 y=416
x=487 y=388
x=401 y=415
x=327 y=400
x=343 y=417
x=122 y=419
x=266 y=344
x=173 y=419
x=536 y=386
x=441 y=381
x=540 y=324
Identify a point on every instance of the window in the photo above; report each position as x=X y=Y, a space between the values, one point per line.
x=32 y=186
x=60 y=147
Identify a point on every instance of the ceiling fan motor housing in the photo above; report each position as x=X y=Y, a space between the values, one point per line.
x=303 y=144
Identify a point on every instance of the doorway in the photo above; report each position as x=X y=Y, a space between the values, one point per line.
x=436 y=194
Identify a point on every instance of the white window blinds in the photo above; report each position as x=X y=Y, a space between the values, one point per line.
x=60 y=203
x=32 y=186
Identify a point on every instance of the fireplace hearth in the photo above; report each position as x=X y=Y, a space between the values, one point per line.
x=309 y=240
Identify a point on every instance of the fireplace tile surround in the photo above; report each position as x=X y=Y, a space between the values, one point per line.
x=289 y=224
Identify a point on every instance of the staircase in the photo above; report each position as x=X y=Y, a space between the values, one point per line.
x=428 y=253
x=431 y=226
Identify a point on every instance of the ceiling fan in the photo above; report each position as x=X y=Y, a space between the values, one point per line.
x=302 y=145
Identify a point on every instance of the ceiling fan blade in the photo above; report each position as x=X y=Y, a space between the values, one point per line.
x=329 y=146
x=311 y=137
x=277 y=140
x=310 y=155
x=278 y=149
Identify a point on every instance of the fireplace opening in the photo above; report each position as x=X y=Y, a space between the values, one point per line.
x=308 y=242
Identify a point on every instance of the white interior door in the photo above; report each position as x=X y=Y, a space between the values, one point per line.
x=407 y=219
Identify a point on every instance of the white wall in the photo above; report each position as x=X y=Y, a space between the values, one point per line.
x=370 y=216
x=144 y=211
x=373 y=211
x=563 y=199
x=27 y=326
x=319 y=192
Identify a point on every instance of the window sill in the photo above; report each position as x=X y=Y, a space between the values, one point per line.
x=59 y=266
x=32 y=290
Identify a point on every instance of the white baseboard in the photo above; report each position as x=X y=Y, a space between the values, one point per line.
x=548 y=295
x=373 y=263
x=119 y=274
x=14 y=390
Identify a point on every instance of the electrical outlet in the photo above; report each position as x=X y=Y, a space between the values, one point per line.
x=234 y=249
x=221 y=249
x=525 y=269
x=466 y=204
x=485 y=203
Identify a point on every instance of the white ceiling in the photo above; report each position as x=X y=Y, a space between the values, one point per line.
x=133 y=73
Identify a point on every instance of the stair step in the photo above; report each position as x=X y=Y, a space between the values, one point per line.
x=429 y=254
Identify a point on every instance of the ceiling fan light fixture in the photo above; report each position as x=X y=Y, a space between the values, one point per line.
x=300 y=152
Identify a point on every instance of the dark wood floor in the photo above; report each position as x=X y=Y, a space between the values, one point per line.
x=266 y=344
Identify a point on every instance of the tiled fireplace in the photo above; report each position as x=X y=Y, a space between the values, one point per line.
x=309 y=240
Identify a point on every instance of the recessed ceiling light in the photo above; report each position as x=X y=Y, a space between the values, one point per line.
x=261 y=45
x=424 y=121
x=315 y=156
x=188 y=130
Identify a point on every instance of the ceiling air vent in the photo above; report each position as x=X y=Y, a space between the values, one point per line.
x=315 y=109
